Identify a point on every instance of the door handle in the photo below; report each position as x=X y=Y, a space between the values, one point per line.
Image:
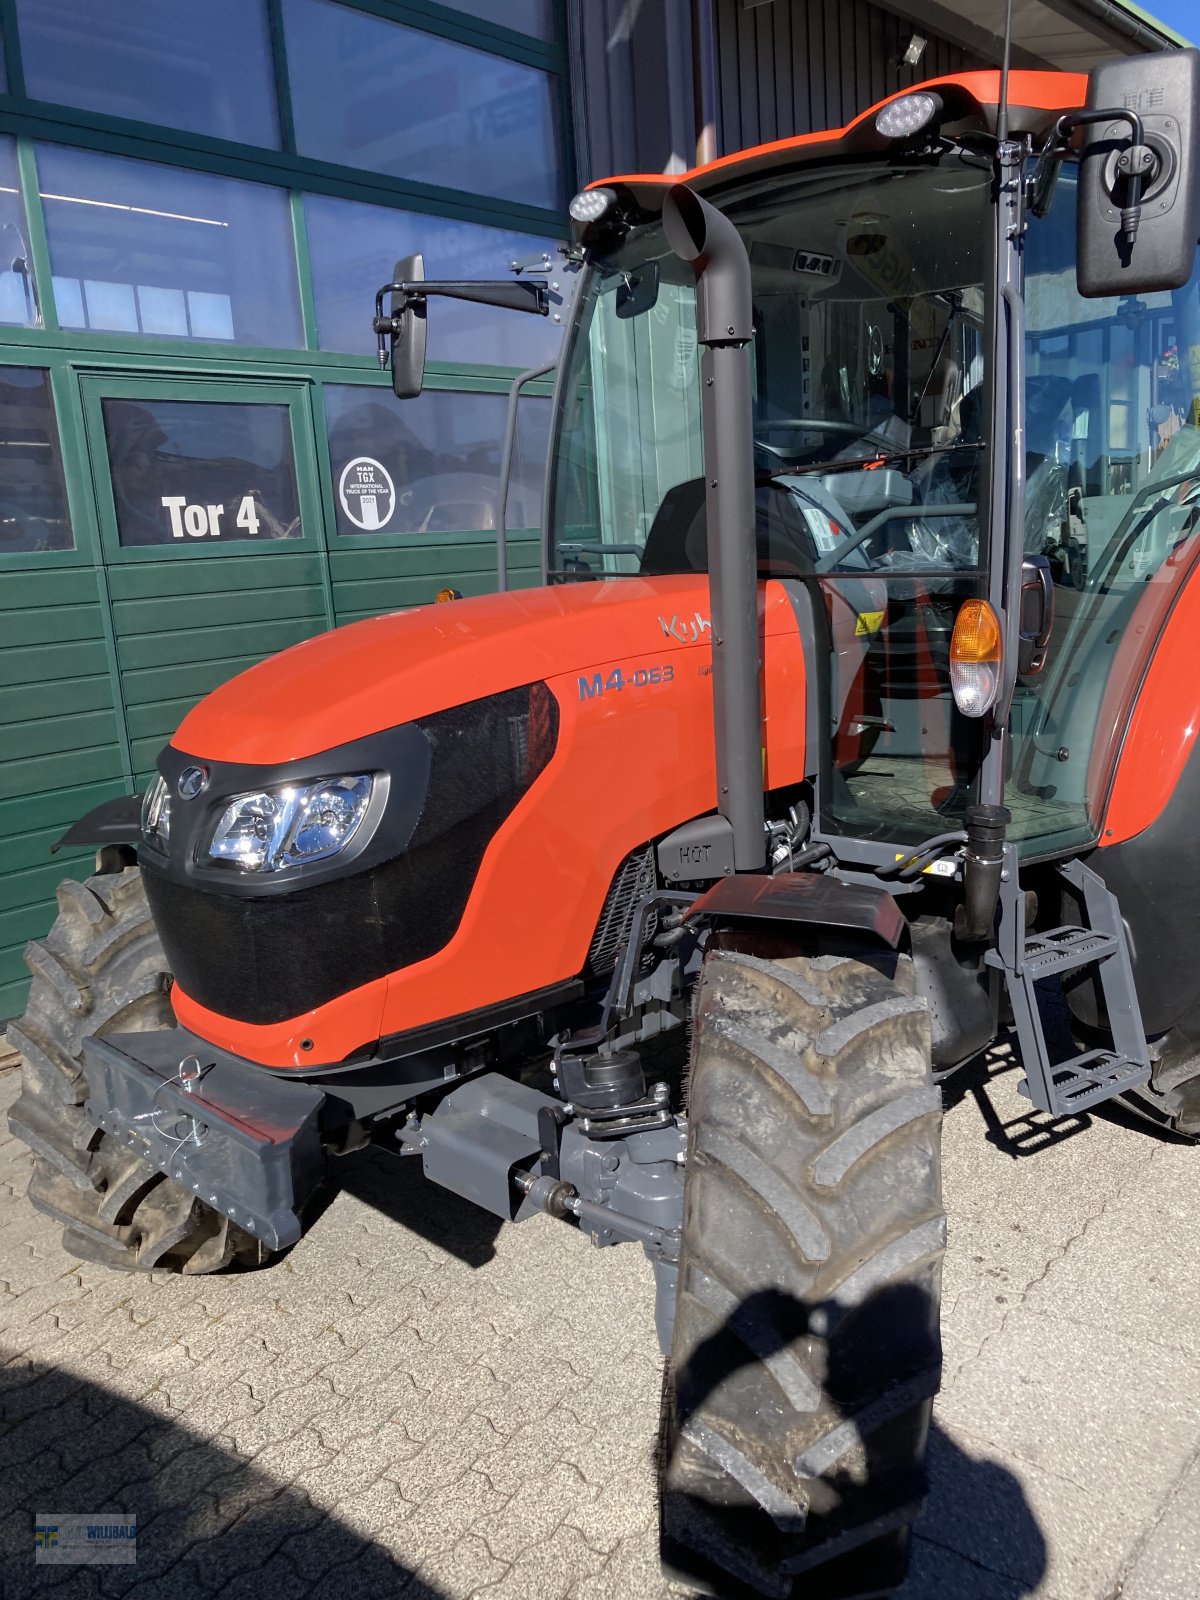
x=1037 y=614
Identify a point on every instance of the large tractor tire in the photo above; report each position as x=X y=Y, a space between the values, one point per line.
x=1171 y=1099
x=101 y=970
x=806 y=1348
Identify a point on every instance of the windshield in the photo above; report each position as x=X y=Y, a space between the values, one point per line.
x=869 y=375
x=868 y=378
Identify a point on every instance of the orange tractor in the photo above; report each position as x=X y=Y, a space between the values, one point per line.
x=853 y=724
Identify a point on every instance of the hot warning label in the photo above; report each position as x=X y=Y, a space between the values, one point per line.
x=367 y=493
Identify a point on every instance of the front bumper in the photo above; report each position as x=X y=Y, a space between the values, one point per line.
x=244 y=1141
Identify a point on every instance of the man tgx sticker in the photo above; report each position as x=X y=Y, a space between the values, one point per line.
x=367 y=493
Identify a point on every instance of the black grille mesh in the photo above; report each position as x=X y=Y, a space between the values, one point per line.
x=634 y=880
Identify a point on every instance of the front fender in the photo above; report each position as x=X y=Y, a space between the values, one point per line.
x=115 y=821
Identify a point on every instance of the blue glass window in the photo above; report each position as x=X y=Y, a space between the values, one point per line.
x=18 y=296
x=442 y=453
x=374 y=94
x=33 y=494
x=140 y=248
x=205 y=68
x=354 y=247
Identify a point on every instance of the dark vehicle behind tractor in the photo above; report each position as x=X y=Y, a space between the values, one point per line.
x=854 y=723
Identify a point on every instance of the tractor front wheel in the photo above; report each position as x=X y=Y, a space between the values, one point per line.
x=101 y=970
x=806 y=1347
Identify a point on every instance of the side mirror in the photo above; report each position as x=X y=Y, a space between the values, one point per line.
x=401 y=331
x=1138 y=208
x=638 y=291
x=408 y=343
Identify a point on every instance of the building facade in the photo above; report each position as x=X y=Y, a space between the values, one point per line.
x=197 y=205
x=200 y=461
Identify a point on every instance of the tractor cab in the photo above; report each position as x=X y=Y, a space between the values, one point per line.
x=869 y=377
x=882 y=433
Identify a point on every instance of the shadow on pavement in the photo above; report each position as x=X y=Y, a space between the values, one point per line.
x=882 y=1357
x=1035 y=1131
x=208 y=1522
x=977 y=1535
x=396 y=1187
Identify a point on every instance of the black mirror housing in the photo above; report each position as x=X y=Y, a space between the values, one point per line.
x=408 y=346
x=1123 y=250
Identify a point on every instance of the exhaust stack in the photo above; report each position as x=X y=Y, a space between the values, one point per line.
x=700 y=235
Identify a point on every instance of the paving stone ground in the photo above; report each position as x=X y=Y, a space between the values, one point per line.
x=416 y=1403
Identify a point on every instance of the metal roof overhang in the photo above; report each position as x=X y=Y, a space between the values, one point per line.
x=1069 y=35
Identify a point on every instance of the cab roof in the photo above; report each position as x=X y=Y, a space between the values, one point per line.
x=1035 y=99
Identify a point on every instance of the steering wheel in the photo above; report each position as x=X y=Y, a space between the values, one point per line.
x=802 y=425
x=817 y=424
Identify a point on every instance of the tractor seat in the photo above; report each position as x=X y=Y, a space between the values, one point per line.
x=678 y=537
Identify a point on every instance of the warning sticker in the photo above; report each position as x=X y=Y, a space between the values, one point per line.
x=943 y=867
x=868 y=622
x=367 y=493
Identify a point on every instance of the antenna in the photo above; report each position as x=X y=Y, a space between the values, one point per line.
x=1002 y=108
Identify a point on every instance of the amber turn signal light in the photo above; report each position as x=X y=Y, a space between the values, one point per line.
x=443 y=595
x=976 y=651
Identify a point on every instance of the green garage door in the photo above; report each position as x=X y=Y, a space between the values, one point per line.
x=158 y=534
x=61 y=742
x=62 y=747
x=171 y=535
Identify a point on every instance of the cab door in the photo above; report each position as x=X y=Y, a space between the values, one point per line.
x=1113 y=505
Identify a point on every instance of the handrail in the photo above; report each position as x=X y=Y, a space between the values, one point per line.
x=510 y=440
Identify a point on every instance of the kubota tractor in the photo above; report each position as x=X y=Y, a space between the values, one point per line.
x=884 y=445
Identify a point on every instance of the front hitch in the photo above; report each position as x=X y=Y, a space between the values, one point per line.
x=244 y=1141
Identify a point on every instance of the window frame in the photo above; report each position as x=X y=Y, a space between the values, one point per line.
x=42 y=263
x=451 y=33
x=17 y=86
x=70 y=354
x=97 y=386
x=58 y=123
x=72 y=452
x=383 y=538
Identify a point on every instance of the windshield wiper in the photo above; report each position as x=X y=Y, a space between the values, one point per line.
x=866 y=463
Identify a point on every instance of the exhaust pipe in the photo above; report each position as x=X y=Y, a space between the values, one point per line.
x=983 y=863
x=710 y=244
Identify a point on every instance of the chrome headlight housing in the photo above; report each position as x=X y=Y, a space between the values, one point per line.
x=268 y=829
x=156 y=814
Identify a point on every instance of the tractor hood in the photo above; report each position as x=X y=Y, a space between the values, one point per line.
x=369 y=676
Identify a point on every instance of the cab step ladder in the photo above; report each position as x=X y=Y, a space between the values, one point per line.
x=1067 y=1087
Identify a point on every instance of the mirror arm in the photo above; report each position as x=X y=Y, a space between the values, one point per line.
x=1045 y=175
x=523 y=294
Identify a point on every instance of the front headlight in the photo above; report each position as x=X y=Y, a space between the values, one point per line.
x=156 y=813
x=285 y=827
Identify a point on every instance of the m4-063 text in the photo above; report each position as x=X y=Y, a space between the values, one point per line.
x=601 y=683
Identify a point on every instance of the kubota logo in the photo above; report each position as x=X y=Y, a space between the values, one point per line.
x=191 y=782
x=688 y=630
